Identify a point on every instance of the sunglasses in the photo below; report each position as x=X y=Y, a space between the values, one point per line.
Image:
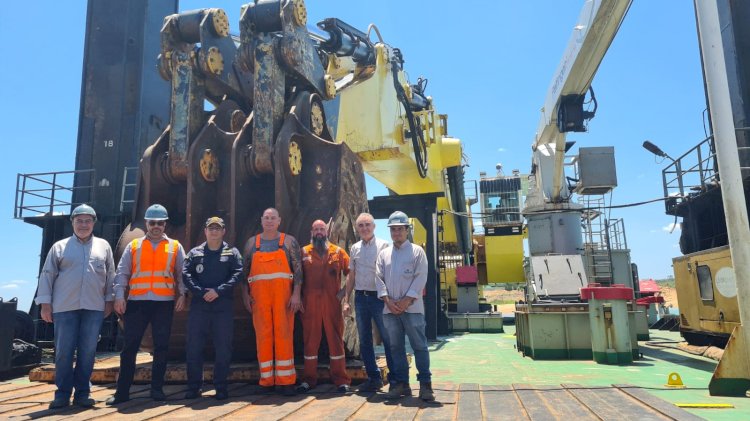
x=159 y=223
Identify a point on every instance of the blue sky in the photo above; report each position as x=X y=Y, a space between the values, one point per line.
x=489 y=65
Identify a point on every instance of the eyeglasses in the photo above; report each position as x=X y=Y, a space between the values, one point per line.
x=364 y=224
x=159 y=223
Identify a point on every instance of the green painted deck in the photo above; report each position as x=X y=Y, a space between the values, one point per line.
x=493 y=359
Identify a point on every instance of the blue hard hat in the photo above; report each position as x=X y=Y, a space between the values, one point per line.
x=156 y=212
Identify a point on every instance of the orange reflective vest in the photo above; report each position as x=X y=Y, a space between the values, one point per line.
x=152 y=269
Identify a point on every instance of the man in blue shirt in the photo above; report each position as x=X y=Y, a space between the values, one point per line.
x=210 y=272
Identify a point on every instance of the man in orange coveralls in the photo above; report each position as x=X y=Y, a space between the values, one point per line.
x=274 y=282
x=322 y=265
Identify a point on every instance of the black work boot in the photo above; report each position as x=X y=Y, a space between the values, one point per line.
x=425 y=391
x=398 y=390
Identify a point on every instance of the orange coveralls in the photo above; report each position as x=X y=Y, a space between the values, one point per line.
x=270 y=285
x=323 y=311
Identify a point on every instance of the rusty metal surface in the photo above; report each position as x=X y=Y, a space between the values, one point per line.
x=266 y=144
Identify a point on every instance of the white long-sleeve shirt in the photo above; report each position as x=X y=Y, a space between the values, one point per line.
x=401 y=272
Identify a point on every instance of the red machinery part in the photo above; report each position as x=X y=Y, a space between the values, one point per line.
x=614 y=292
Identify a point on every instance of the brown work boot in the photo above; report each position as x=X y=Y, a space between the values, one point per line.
x=398 y=390
x=425 y=391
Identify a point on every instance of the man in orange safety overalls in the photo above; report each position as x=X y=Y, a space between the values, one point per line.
x=322 y=265
x=274 y=280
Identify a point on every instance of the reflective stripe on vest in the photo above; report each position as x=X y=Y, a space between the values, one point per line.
x=259 y=270
x=153 y=270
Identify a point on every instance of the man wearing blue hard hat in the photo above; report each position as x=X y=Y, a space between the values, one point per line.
x=148 y=289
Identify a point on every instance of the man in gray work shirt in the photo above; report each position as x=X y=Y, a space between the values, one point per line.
x=150 y=270
x=401 y=275
x=76 y=293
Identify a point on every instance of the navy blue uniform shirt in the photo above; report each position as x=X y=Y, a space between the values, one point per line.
x=218 y=269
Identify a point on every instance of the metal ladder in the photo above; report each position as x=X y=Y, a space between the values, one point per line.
x=596 y=239
x=442 y=257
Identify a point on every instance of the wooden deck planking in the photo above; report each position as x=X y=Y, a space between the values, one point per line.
x=609 y=404
x=445 y=405
x=336 y=406
x=17 y=386
x=469 y=402
x=407 y=411
x=275 y=407
x=502 y=403
x=544 y=403
x=657 y=404
x=37 y=389
x=376 y=408
x=100 y=394
x=209 y=408
x=24 y=401
x=138 y=402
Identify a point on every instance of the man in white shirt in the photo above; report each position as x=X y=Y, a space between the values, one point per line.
x=401 y=275
x=368 y=306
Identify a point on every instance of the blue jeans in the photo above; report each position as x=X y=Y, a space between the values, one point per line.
x=76 y=333
x=369 y=308
x=411 y=325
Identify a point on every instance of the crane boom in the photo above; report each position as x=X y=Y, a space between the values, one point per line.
x=593 y=34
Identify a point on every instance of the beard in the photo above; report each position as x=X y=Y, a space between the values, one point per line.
x=319 y=243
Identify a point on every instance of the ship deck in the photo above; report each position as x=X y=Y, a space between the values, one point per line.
x=476 y=376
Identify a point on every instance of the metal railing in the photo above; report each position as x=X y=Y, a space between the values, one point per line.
x=696 y=171
x=692 y=173
x=50 y=193
x=617 y=239
x=470 y=192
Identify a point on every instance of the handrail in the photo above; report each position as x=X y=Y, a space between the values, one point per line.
x=47 y=193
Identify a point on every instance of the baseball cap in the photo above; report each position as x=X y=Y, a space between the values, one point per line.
x=214 y=220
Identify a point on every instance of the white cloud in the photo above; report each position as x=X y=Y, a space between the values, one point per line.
x=671 y=227
x=501 y=149
x=14 y=284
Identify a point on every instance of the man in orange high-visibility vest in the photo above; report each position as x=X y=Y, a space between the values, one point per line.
x=274 y=280
x=323 y=264
x=150 y=270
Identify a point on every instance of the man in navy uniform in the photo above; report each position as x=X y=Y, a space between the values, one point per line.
x=210 y=272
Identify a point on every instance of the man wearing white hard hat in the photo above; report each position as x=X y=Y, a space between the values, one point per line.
x=401 y=276
x=75 y=293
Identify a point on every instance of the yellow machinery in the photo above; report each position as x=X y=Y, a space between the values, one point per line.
x=707 y=296
x=500 y=248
